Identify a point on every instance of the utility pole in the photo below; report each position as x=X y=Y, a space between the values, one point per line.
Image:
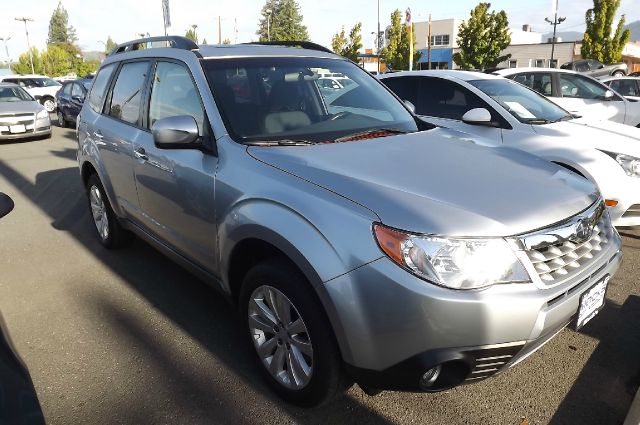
x=378 y=37
x=429 y=44
x=26 y=30
x=410 y=27
x=268 y=12
x=219 y=31
x=5 y=40
x=556 y=21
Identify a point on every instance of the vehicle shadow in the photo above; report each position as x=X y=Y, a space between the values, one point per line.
x=188 y=302
x=607 y=384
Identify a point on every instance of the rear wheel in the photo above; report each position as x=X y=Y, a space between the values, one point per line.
x=61 y=121
x=295 y=347
x=110 y=232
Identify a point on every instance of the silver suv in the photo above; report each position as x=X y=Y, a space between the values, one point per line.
x=359 y=243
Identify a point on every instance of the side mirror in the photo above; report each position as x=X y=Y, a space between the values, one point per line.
x=410 y=105
x=175 y=132
x=78 y=98
x=478 y=116
x=608 y=95
x=6 y=204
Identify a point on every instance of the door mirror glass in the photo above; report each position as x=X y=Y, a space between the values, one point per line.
x=411 y=106
x=608 y=94
x=178 y=131
x=477 y=116
x=6 y=204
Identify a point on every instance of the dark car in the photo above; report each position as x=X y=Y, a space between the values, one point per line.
x=70 y=99
x=597 y=69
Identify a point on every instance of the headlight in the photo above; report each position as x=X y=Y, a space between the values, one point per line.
x=455 y=263
x=42 y=114
x=630 y=164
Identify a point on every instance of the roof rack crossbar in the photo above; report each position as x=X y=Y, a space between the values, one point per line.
x=174 y=41
x=304 y=44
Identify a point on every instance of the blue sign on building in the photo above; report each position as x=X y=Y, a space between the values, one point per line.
x=441 y=58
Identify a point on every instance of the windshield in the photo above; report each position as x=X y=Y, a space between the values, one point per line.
x=14 y=94
x=524 y=104
x=45 y=82
x=284 y=98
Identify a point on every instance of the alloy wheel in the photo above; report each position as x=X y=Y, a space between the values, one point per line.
x=280 y=337
x=49 y=105
x=99 y=212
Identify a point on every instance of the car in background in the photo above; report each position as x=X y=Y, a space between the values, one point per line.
x=21 y=115
x=508 y=114
x=70 y=99
x=634 y=74
x=357 y=241
x=577 y=93
x=628 y=87
x=333 y=83
x=597 y=69
x=41 y=87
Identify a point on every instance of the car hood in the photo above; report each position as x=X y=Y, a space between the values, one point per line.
x=440 y=182
x=604 y=135
x=26 y=107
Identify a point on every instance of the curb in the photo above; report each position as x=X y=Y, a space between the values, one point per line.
x=633 y=417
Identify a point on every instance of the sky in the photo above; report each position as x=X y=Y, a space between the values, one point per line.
x=123 y=20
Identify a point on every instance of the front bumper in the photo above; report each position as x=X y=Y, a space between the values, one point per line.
x=34 y=128
x=395 y=327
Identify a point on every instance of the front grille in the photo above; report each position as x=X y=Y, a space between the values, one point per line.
x=6 y=120
x=565 y=259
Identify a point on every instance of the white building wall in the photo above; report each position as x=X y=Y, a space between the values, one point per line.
x=440 y=27
x=525 y=37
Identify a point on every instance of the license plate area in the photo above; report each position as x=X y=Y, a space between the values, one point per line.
x=591 y=302
x=18 y=128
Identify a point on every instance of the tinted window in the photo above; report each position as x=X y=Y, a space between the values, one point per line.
x=406 y=88
x=625 y=87
x=76 y=91
x=100 y=87
x=445 y=99
x=577 y=86
x=173 y=93
x=45 y=82
x=67 y=89
x=538 y=81
x=127 y=92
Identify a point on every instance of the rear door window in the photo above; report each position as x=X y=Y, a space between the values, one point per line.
x=406 y=88
x=76 y=90
x=127 y=92
x=625 y=87
x=577 y=86
x=99 y=87
x=445 y=99
x=538 y=81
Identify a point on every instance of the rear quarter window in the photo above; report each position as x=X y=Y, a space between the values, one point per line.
x=99 y=87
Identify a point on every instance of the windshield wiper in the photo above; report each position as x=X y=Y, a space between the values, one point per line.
x=538 y=121
x=565 y=118
x=368 y=134
x=283 y=142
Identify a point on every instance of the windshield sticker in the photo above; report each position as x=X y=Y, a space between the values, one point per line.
x=517 y=108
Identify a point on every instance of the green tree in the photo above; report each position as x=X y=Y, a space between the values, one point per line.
x=284 y=22
x=110 y=45
x=348 y=47
x=482 y=38
x=59 y=29
x=56 y=61
x=192 y=35
x=396 y=52
x=226 y=41
x=24 y=65
x=598 y=42
x=204 y=41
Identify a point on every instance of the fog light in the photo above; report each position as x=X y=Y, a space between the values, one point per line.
x=430 y=377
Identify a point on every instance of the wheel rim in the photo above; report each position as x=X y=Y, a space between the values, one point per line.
x=99 y=212
x=280 y=337
x=49 y=105
x=60 y=119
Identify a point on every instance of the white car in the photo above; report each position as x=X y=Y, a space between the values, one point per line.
x=628 y=87
x=508 y=114
x=577 y=93
x=41 y=87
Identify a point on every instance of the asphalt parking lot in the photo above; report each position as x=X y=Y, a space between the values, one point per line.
x=129 y=337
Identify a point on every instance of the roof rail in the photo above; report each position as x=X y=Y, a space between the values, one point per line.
x=174 y=41
x=304 y=44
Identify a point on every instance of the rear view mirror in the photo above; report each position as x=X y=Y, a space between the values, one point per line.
x=477 y=116
x=410 y=105
x=6 y=204
x=178 y=131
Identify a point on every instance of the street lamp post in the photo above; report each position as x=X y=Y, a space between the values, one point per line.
x=268 y=12
x=556 y=21
x=25 y=19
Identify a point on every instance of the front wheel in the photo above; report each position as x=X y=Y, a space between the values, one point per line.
x=297 y=351
x=618 y=74
x=49 y=104
x=110 y=232
x=61 y=121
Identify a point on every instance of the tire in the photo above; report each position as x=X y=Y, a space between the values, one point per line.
x=61 y=121
x=618 y=74
x=49 y=104
x=110 y=232
x=313 y=341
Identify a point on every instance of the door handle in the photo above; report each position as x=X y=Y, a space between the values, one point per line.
x=141 y=154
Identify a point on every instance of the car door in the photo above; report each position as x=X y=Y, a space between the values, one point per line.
x=596 y=69
x=118 y=128
x=587 y=97
x=176 y=186
x=63 y=98
x=444 y=102
x=75 y=101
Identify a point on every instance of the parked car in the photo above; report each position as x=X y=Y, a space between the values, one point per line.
x=597 y=69
x=628 y=87
x=20 y=115
x=333 y=83
x=634 y=74
x=70 y=99
x=508 y=114
x=577 y=93
x=355 y=245
x=42 y=88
